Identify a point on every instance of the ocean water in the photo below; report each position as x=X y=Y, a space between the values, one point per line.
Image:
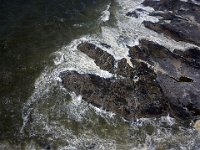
x=30 y=31
x=38 y=40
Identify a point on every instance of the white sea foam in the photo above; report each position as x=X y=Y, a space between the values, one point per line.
x=103 y=113
x=77 y=108
x=105 y=16
x=68 y=58
x=197 y=2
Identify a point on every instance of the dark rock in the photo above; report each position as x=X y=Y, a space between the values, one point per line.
x=106 y=45
x=166 y=15
x=106 y=61
x=180 y=30
x=183 y=97
x=132 y=14
x=124 y=69
x=179 y=80
x=136 y=13
x=180 y=20
x=192 y=56
x=103 y=59
x=177 y=7
x=159 y=82
x=45 y=145
x=184 y=79
x=121 y=95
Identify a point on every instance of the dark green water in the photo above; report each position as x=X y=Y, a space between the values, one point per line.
x=30 y=30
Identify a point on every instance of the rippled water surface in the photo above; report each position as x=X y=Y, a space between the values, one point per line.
x=30 y=30
x=38 y=40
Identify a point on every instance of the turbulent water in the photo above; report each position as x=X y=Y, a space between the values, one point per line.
x=39 y=41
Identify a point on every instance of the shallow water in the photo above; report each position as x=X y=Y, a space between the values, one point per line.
x=38 y=43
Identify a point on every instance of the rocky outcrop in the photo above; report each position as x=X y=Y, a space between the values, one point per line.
x=116 y=95
x=179 y=30
x=178 y=75
x=133 y=92
x=179 y=20
x=159 y=82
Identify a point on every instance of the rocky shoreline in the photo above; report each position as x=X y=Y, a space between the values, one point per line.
x=160 y=81
x=179 y=20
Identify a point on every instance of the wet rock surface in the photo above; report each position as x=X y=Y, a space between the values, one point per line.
x=159 y=82
x=103 y=59
x=125 y=94
x=177 y=19
x=178 y=74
